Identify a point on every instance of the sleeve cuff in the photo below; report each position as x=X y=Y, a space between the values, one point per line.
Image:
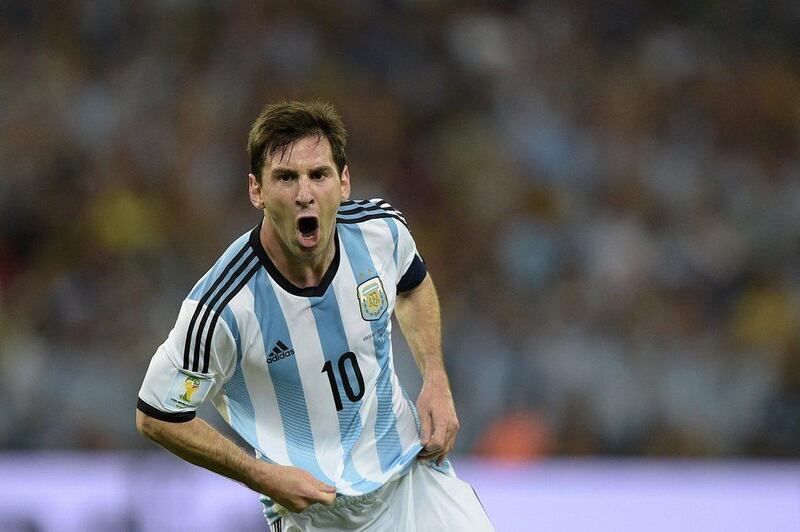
x=414 y=275
x=170 y=417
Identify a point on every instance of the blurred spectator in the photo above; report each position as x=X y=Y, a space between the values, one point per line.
x=608 y=196
x=517 y=436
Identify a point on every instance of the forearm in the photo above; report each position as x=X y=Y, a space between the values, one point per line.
x=418 y=314
x=197 y=442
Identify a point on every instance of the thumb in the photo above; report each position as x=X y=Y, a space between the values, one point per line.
x=328 y=498
x=326 y=487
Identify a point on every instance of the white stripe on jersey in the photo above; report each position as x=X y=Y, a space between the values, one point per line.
x=269 y=427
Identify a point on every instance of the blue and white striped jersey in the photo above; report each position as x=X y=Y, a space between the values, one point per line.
x=304 y=375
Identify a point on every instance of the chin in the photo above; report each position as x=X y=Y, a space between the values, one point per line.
x=309 y=251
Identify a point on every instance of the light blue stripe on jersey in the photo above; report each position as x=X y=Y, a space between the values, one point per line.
x=240 y=407
x=230 y=321
x=393 y=229
x=387 y=439
x=334 y=344
x=288 y=388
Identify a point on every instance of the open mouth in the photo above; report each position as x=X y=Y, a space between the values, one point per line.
x=307 y=226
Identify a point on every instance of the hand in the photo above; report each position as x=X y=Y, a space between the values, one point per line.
x=437 y=415
x=292 y=488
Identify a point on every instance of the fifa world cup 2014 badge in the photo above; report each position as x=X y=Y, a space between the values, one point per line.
x=372 y=298
x=187 y=390
x=191 y=384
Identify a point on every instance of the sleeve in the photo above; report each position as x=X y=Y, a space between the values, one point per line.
x=189 y=366
x=410 y=266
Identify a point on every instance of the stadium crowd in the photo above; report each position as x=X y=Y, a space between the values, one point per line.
x=608 y=198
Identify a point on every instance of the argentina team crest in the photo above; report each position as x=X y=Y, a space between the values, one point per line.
x=373 y=299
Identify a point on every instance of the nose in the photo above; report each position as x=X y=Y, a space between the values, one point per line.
x=304 y=196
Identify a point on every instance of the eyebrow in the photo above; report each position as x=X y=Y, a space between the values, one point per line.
x=282 y=170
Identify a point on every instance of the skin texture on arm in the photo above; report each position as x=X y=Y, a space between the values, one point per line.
x=418 y=314
x=197 y=442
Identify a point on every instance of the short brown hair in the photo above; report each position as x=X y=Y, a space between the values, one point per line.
x=280 y=124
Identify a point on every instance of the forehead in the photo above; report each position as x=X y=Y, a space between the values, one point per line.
x=307 y=152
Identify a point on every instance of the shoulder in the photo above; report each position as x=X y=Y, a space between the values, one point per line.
x=233 y=268
x=362 y=211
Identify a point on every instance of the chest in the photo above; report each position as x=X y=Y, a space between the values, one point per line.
x=348 y=327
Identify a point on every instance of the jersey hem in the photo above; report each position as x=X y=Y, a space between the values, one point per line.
x=414 y=275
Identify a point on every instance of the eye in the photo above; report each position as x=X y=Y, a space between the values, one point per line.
x=285 y=177
x=318 y=175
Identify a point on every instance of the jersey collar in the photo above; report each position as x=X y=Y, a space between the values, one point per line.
x=283 y=282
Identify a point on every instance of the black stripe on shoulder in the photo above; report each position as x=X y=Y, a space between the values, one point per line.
x=388 y=208
x=170 y=417
x=383 y=204
x=222 y=305
x=354 y=207
x=349 y=203
x=371 y=217
x=204 y=299
x=359 y=209
x=371 y=208
x=212 y=306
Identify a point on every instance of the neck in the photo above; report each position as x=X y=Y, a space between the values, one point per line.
x=302 y=271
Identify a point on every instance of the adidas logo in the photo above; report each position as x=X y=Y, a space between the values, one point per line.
x=278 y=352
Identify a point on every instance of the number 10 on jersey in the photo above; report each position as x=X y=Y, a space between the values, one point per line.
x=353 y=396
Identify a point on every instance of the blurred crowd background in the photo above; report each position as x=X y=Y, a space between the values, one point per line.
x=606 y=193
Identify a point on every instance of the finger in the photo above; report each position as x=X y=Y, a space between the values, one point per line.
x=327 y=498
x=327 y=488
x=450 y=441
x=437 y=439
x=431 y=454
x=425 y=430
x=439 y=458
x=448 y=446
x=441 y=454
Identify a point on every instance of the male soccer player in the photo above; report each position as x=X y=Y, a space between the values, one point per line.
x=289 y=335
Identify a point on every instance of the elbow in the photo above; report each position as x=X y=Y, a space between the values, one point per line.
x=146 y=425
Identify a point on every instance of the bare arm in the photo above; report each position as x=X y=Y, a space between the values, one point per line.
x=197 y=442
x=417 y=312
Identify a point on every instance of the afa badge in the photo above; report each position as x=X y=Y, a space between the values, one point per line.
x=372 y=298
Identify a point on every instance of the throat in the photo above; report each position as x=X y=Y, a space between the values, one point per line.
x=306 y=275
x=302 y=269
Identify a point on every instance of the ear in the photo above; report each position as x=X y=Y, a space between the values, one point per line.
x=254 y=188
x=345 y=183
